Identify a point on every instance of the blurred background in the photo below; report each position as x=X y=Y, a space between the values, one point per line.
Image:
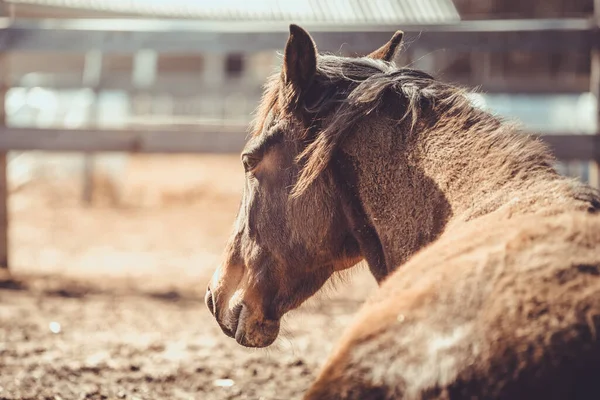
x=121 y=122
x=178 y=80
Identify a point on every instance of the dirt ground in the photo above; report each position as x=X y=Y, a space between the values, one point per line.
x=105 y=301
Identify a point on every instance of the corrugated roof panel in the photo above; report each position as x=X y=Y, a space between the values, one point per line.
x=405 y=9
x=448 y=9
x=388 y=12
x=413 y=7
x=422 y=9
x=398 y=7
x=364 y=8
x=349 y=12
x=360 y=10
x=327 y=11
x=434 y=12
x=324 y=11
x=336 y=10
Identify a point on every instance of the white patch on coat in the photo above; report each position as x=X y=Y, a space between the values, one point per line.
x=417 y=356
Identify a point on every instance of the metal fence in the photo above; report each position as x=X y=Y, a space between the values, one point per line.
x=173 y=36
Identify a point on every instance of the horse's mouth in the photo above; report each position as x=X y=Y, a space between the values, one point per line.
x=241 y=324
x=234 y=322
x=236 y=317
x=238 y=328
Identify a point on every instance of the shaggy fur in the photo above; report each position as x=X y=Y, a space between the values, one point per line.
x=355 y=158
x=494 y=309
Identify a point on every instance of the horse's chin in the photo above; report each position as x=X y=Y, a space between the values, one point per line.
x=254 y=331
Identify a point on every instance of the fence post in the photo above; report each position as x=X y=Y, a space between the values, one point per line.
x=92 y=74
x=595 y=89
x=4 y=82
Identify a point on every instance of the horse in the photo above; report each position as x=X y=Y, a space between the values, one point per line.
x=487 y=259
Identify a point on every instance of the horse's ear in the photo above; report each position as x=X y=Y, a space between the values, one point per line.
x=388 y=51
x=300 y=59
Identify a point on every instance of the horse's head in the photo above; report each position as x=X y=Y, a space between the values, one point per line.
x=292 y=232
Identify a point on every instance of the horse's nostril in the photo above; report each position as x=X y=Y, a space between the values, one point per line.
x=210 y=302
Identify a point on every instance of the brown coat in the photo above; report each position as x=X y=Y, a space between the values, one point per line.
x=489 y=259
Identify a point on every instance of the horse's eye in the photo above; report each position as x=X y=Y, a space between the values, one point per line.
x=249 y=162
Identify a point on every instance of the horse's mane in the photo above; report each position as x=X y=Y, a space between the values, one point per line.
x=362 y=86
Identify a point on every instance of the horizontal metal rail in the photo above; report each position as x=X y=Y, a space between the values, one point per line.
x=201 y=140
x=176 y=36
x=207 y=139
x=188 y=84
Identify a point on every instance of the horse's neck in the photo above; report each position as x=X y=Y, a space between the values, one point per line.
x=412 y=189
x=493 y=168
x=481 y=169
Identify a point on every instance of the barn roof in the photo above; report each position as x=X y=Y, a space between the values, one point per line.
x=340 y=12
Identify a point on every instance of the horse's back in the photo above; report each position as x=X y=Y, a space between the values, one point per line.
x=506 y=310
